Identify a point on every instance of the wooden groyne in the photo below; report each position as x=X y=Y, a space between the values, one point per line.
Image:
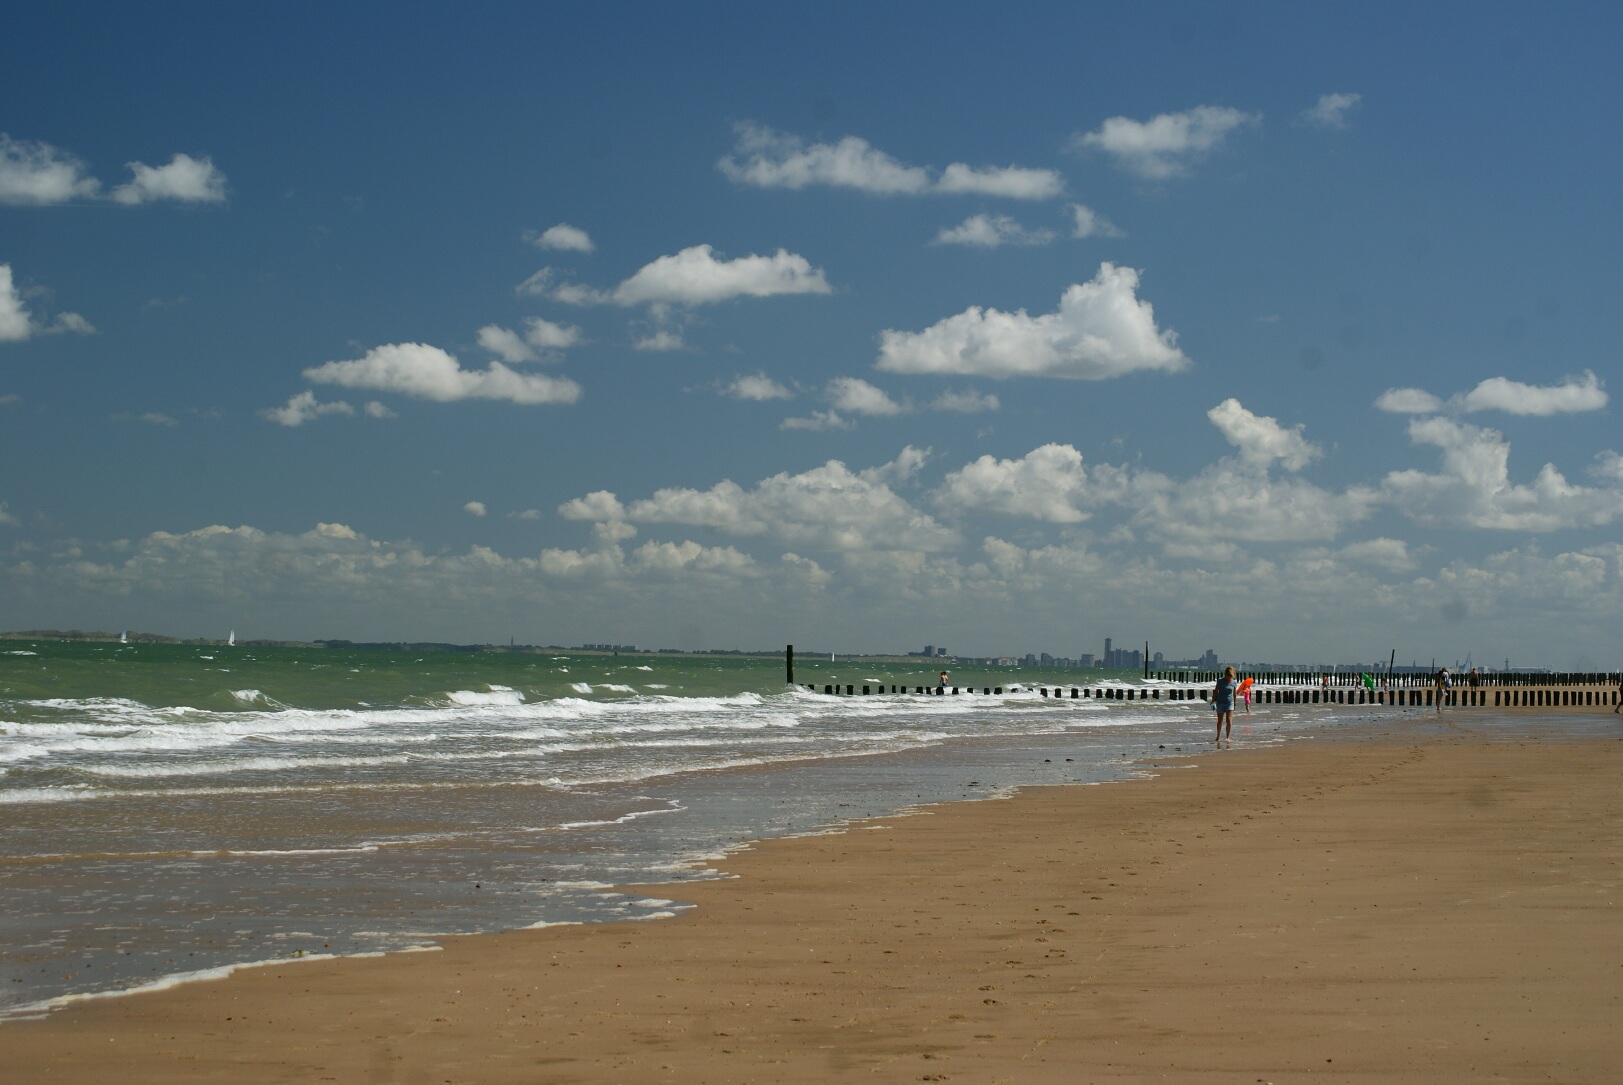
x=1487 y=691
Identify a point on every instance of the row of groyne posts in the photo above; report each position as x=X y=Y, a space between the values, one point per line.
x=1480 y=690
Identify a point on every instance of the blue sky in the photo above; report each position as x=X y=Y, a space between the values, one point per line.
x=1286 y=330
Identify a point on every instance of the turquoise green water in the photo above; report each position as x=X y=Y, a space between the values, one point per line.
x=211 y=676
x=173 y=810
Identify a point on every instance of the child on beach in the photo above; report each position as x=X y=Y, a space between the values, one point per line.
x=1245 y=692
x=1223 y=704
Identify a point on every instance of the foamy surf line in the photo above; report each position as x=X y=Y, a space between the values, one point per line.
x=39 y=1009
x=709 y=809
x=698 y=855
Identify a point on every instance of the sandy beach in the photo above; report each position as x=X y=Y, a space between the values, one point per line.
x=1408 y=907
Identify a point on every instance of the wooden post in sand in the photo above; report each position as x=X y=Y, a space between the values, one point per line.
x=789 y=661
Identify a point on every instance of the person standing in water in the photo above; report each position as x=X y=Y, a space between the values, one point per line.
x=941 y=684
x=1223 y=704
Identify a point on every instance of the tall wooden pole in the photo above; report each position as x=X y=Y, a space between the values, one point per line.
x=789 y=662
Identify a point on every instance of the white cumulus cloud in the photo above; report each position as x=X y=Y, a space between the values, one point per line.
x=1608 y=467
x=1196 y=518
x=1572 y=396
x=427 y=372
x=1085 y=222
x=303 y=408
x=756 y=388
x=991 y=231
x=771 y=159
x=1330 y=111
x=1235 y=500
x=545 y=335
x=968 y=401
x=1044 y=484
x=817 y=421
x=659 y=342
x=1165 y=145
x=505 y=343
x=695 y=277
x=15 y=323
x=1408 y=401
x=1262 y=440
x=70 y=322
x=186 y=179
x=564 y=236
x=38 y=174
x=1010 y=182
x=1473 y=487
x=474 y=508
x=1102 y=330
x=856 y=396
x=1384 y=553
x=598 y=506
x=1513 y=397
x=829 y=507
x=539 y=335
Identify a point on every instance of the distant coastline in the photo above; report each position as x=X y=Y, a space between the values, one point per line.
x=133 y=637
x=908 y=658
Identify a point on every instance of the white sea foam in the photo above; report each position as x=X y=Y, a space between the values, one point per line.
x=40 y=1009
x=635 y=815
x=583 y=740
x=496 y=695
x=239 y=764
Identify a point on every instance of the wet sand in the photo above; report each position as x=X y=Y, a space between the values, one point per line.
x=1426 y=908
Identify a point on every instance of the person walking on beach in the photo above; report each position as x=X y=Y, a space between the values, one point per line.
x=1223 y=704
x=1245 y=692
x=1441 y=684
x=1619 y=709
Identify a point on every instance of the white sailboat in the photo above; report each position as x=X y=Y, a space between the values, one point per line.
x=124 y=636
x=231 y=640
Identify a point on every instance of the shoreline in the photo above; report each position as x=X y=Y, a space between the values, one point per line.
x=919 y=933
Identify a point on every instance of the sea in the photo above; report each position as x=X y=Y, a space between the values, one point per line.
x=173 y=812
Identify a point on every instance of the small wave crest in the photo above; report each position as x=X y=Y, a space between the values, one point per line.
x=495 y=695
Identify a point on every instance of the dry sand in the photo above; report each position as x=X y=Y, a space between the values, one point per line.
x=1412 y=909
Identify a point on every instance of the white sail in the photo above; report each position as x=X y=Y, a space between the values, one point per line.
x=232 y=639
